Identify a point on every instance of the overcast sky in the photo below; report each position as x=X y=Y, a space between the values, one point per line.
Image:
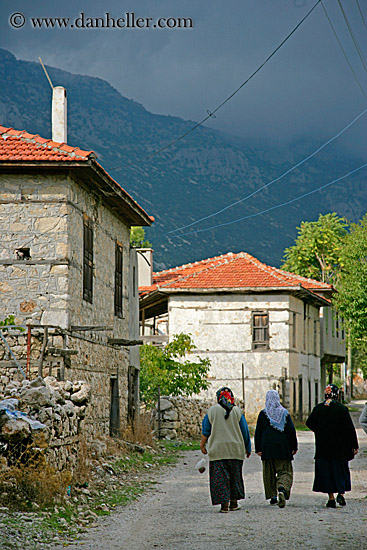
x=306 y=90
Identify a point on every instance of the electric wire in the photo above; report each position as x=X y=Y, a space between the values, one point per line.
x=272 y=207
x=355 y=41
x=343 y=50
x=274 y=180
x=212 y=113
x=362 y=16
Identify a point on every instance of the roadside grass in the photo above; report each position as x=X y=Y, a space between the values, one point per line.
x=300 y=426
x=128 y=477
x=133 y=467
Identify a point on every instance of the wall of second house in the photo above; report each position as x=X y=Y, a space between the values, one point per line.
x=33 y=216
x=220 y=325
x=221 y=329
x=305 y=383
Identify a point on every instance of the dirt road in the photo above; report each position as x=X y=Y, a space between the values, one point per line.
x=177 y=513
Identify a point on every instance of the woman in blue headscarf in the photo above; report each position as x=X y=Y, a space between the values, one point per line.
x=276 y=444
x=336 y=443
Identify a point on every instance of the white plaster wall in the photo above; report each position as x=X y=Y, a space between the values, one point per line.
x=220 y=325
x=221 y=329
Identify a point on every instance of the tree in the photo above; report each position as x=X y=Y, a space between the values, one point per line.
x=351 y=298
x=137 y=238
x=168 y=369
x=318 y=247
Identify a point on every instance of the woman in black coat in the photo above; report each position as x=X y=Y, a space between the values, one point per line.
x=276 y=443
x=336 y=443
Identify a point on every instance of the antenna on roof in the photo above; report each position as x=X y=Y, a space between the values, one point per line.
x=46 y=73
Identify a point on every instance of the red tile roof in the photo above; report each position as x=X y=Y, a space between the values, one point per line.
x=20 y=145
x=230 y=271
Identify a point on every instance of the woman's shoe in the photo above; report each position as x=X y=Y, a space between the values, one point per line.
x=224 y=509
x=281 y=498
x=331 y=504
x=273 y=501
x=233 y=506
x=340 y=500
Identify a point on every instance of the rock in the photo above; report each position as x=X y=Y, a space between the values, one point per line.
x=165 y=404
x=69 y=408
x=82 y=396
x=170 y=414
x=38 y=382
x=68 y=386
x=37 y=396
x=58 y=397
x=51 y=381
x=15 y=430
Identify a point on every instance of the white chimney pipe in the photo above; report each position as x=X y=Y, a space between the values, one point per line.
x=59 y=115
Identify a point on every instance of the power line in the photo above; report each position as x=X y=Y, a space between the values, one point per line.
x=274 y=180
x=355 y=41
x=212 y=113
x=343 y=50
x=273 y=207
x=360 y=11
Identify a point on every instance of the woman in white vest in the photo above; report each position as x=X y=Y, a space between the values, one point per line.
x=226 y=440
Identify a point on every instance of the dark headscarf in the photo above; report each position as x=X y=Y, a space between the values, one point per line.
x=225 y=399
x=331 y=394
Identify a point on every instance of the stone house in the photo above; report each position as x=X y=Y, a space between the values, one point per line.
x=68 y=274
x=259 y=325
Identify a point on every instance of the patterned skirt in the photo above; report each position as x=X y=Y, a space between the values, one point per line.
x=226 y=482
x=331 y=476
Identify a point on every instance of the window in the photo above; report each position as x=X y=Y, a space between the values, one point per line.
x=260 y=330
x=118 y=280
x=87 y=260
x=294 y=334
x=315 y=337
x=305 y=320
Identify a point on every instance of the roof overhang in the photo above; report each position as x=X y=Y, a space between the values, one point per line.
x=94 y=177
x=157 y=300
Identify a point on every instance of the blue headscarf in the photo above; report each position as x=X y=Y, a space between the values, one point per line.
x=276 y=414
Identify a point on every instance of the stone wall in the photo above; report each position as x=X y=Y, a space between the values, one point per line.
x=182 y=418
x=61 y=407
x=41 y=282
x=95 y=361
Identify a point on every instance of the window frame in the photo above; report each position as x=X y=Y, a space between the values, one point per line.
x=119 y=281
x=259 y=344
x=88 y=257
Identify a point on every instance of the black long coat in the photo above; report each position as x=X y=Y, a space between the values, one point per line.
x=335 y=435
x=273 y=443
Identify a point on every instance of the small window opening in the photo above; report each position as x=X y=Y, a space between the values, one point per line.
x=23 y=253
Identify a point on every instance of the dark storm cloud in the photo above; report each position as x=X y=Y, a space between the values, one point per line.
x=306 y=90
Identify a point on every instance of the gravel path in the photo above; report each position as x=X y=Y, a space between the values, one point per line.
x=177 y=514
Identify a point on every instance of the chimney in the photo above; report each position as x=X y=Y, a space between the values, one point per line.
x=59 y=115
x=145 y=266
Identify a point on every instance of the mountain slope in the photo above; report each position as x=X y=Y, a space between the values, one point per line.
x=197 y=176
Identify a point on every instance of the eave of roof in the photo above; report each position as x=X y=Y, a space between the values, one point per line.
x=52 y=156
